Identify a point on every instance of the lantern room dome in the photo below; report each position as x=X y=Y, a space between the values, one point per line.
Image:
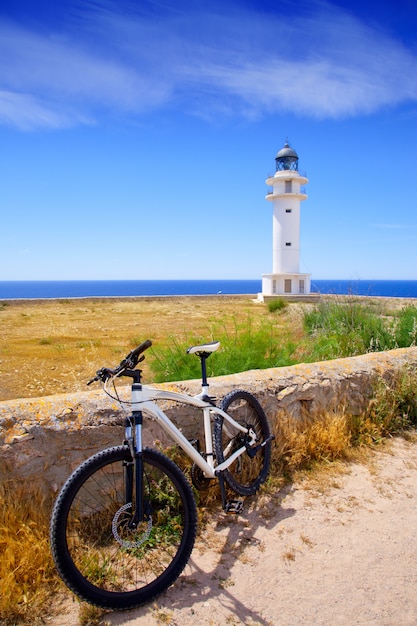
x=286 y=159
x=286 y=152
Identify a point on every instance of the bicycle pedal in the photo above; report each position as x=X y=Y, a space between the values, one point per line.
x=234 y=506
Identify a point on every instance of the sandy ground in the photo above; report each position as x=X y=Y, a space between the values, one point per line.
x=340 y=549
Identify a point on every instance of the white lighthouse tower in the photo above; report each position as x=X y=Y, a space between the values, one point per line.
x=286 y=194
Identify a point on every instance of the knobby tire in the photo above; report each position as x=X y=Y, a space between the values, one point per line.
x=245 y=475
x=91 y=511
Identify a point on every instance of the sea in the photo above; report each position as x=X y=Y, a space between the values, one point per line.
x=46 y=289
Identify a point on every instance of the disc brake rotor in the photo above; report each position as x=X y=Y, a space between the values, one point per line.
x=142 y=536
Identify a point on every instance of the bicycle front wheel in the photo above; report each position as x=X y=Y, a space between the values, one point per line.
x=247 y=473
x=100 y=554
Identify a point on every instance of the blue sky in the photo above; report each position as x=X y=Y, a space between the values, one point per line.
x=136 y=136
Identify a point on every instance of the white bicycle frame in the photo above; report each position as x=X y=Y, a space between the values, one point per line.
x=143 y=398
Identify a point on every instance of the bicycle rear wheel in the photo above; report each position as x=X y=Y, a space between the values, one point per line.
x=247 y=473
x=98 y=554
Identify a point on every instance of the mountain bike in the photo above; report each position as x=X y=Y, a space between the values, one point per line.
x=124 y=524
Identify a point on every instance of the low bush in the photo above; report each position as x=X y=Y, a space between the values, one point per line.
x=405 y=327
x=392 y=409
x=300 y=443
x=277 y=305
x=251 y=345
x=333 y=329
x=347 y=328
x=27 y=575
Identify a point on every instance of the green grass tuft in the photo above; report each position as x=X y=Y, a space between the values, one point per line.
x=277 y=305
x=251 y=345
x=347 y=328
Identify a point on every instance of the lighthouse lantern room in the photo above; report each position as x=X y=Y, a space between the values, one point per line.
x=286 y=194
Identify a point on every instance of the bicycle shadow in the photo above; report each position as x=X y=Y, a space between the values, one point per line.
x=207 y=581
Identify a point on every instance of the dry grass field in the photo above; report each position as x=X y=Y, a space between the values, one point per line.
x=55 y=346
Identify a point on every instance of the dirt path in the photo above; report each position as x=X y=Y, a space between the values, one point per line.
x=340 y=550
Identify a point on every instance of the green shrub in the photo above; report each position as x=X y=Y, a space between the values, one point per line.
x=248 y=346
x=45 y=341
x=173 y=363
x=392 y=409
x=277 y=305
x=406 y=327
x=335 y=328
x=341 y=329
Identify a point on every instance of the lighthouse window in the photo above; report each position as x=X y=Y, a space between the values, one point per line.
x=288 y=210
x=288 y=243
x=288 y=187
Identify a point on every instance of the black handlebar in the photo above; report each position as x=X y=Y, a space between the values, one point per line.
x=138 y=351
x=128 y=363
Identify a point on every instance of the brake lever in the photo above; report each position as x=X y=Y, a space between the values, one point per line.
x=132 y=360
x=102 y=374
x=105 y=373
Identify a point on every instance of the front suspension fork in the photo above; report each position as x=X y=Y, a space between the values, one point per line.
x=134 y=470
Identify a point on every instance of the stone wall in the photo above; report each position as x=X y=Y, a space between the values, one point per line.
x=51 y=436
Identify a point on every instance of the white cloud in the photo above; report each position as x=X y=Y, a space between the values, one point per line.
x=27 y=112
x=319 y=62
x=66 y=71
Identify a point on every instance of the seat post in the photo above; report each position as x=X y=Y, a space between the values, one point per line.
x=204 y=351
x=203 y=357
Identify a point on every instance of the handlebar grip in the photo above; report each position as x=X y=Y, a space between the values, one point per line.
x=129 y=362
x=143 y=346
x=132 y=359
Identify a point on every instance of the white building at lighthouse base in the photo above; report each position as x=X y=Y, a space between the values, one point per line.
x=286 y=284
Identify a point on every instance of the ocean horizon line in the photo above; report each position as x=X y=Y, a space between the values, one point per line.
x=171 y=280
x=86 y=288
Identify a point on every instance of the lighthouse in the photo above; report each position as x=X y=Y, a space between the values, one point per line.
x=286 y=194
